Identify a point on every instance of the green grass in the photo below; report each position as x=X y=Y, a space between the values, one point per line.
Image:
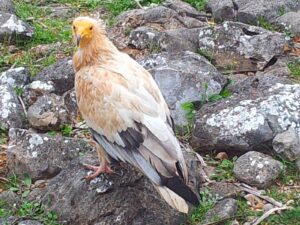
x=3 y=135
x=289 y=217
x=198 y=4
x=207 y=203
x=27 y=209
x=66 y=130
x=264 y=23
x=224 y=170
x=210 y=56
x=294 y=67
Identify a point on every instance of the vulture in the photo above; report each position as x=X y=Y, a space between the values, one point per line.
x=127 y=114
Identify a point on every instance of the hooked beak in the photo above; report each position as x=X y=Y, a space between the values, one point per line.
x=78 y=38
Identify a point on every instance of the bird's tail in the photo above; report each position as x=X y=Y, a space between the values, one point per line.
x=173 y=199
x=176 y=193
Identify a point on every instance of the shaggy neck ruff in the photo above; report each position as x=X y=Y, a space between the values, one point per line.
x=100 y=48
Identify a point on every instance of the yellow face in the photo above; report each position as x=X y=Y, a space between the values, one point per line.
x=83 y=32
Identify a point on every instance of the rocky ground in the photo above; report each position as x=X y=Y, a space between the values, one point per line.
x=229 y=71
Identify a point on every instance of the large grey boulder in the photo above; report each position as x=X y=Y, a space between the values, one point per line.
x=239 y=47
x=48 y=113
x=247 y=12
x=61 y=75
x=11 y=111
x=287 y=144
x=290 y=22
x=17 y=77
x=175 y=40
x=40 y=155
x=182 y=77
x=257 y=169
x=125 y=197
x=250 y=118
x=7 y=6
x=12 y=29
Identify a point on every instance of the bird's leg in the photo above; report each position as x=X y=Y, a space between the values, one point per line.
x=104 y=165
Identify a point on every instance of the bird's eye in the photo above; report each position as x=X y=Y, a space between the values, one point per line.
x=91 y=28
x=74 y=27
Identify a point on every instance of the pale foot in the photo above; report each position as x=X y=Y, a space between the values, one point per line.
x=98 y=170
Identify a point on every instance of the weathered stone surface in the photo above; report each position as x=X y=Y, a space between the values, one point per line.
x=163 y=18
x=182 y=78
x=122 y=198
x=48 y=113
x=222 y=9
x=287 y=144
x=250 y=118
x=12 y=27
x=257 y=169
x=11 y=111
x=70 y=104
x=30 y=222
x=176 y=40
x=222 y=190
x=61 y=11
x=239 y=47
x=61 y=74
x=9 y=220
x=225 y=208
x=15 y=77
x=40 y=155
x=247 y=12
x=290 y=22
x=7 y=6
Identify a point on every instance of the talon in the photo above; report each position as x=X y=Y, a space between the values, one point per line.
x=98 y=170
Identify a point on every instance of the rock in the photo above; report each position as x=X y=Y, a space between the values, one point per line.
x=35 y=90
x=287 y=144
x=15 y=77
x=268 y=207
x=249 y=119
x=246 y=12
x=290 y=22
x=127 y=198
x=61 y=11
x=30 y=222
x=9 y=220
x=226 y=208
x=222 y=190
x=11 y=111
x=12 y=27
x=61 y=74
x=70 y=104
x=239 y=47
x=7 y=6
x=257 y=169
x=163 y=18
x=11 y=200
x=40 y=155
x=48 y=113
x=182 y=77
x=176 y=40
x=222 y=9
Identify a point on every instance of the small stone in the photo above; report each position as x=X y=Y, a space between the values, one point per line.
x=257 y=169
x=268 y=207
x=7 y=6
x=287 y=144
x=12 y=27
x=61 y=74
x=30 y=222
x=221 y=156
x=226 y=208
x=48 y=113
x=223 y=190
